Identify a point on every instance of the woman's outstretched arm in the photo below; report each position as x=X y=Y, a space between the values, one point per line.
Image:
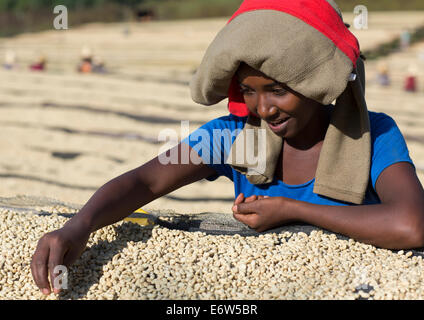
x=121 y=196
x=396 y=223
x=113 y=202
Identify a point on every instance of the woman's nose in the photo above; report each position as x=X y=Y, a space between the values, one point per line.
x=266 y=109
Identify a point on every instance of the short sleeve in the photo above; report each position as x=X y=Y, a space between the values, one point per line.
x=213 y=140
x=388 y=145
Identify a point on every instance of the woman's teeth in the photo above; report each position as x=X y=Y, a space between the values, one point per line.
x=278 y=122
x=277 y=126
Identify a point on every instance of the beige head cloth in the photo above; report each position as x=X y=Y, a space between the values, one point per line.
x=309 y=61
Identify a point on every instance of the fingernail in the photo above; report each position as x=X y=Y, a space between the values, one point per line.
x=45 y=291
x=234 y=208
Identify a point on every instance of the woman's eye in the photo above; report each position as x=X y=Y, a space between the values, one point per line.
x=279 y=92
x=245 y=91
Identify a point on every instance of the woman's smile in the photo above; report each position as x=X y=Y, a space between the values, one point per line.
x=279 y=127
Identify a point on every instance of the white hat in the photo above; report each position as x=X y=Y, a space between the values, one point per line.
x=382 y=67
x=86 y=52
x=10 y=57
x=413 y=70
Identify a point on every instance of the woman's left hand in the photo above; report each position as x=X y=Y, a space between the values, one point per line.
x=262 y=212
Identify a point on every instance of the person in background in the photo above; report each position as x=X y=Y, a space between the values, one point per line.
x=9 y=60
x=280 y=69
x=411 y=79
x=98 y=65
x=39 y=65
x=145 y=15
x=86 y=63
x=383 y=78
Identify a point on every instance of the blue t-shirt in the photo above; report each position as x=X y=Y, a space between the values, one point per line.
x=388 y=147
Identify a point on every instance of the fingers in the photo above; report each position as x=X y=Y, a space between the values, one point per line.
x=70 y=256
x=246 y=207
x=239 y=199
x=248 y=219
x=39 y=268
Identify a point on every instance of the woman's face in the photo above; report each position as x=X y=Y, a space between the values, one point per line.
x=286 y=111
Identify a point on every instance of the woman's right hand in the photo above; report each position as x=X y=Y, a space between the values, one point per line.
x=60 y=247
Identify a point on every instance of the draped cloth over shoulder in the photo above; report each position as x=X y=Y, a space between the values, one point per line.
x=305 y=45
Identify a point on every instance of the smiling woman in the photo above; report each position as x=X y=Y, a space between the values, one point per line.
x=325 y=164
x=340 y=167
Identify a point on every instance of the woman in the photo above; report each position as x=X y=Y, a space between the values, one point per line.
x=281 y=65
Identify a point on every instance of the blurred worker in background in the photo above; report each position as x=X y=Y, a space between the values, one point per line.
x=383 y=78
x=145 y=15
x=9 y=60
x=40 y=64
x=405 y=40
x=86 y=63
x=411 y=79
x=98 y=65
